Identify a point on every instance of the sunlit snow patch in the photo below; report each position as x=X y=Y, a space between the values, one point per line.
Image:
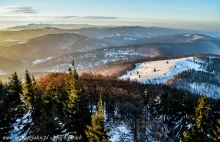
x=161 y=71
x=17 y=42
x=187 y=35
x=129 y=39
x=2 y=73
x=37 y=61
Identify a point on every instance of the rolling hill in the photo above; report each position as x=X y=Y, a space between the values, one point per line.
x=13 y=37
x=177 y=38
x=50 y=46
x=102 y=56
x=9 y=66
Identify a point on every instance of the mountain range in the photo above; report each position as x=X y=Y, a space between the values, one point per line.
x=52 y=49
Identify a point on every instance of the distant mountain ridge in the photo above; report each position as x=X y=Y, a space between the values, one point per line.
x=137 y=31
x=23 y=35
x=62 y=26
x=97 y=31
x=176 y=38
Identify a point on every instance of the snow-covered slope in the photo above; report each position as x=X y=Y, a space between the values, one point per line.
x=202 y=82
x=161 y=71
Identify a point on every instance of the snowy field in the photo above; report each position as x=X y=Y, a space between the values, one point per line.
x=161 y=71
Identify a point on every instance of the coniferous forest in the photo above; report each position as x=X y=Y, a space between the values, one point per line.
x=69 y=107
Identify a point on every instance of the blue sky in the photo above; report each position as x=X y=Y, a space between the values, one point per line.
x=195 y=10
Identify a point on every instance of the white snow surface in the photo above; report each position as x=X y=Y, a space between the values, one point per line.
x=11 y=40
x=2 y=72
x=197 y=37
x=15 y=133
x=17 y=42
x=129 y=39
x=164 y=71
x=37 y=61
x=120 y=132
x=187 y=35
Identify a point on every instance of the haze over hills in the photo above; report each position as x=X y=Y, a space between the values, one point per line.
x=176 y=38
x=61 y=26
x=52 y=49
x=73 y=22
x=124 y=35
x=49 y=46
x=111 y=54
x=8 y=65
x=11 y=37
x=137 y=31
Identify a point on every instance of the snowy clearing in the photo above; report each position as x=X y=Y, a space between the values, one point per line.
x=161 y=71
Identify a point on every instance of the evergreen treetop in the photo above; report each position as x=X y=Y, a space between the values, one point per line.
x=97 y=131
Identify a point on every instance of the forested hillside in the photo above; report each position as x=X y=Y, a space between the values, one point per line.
x=96 y=108
x=204 y=81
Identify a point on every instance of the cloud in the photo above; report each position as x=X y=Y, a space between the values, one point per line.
x=18 y=10
x=100 y=17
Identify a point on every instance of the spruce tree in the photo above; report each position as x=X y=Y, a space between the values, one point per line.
x=32 y=108
x=74 y=87
x=14 y=88
x=201 y=112
x=97 y=131
x=16 y=106
x=217 y=131
x=36 y=98
x=5 y=122
x=145 y=97
x=198 y=128
x=77 y=106
x=46 y=111
x=29 y=90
